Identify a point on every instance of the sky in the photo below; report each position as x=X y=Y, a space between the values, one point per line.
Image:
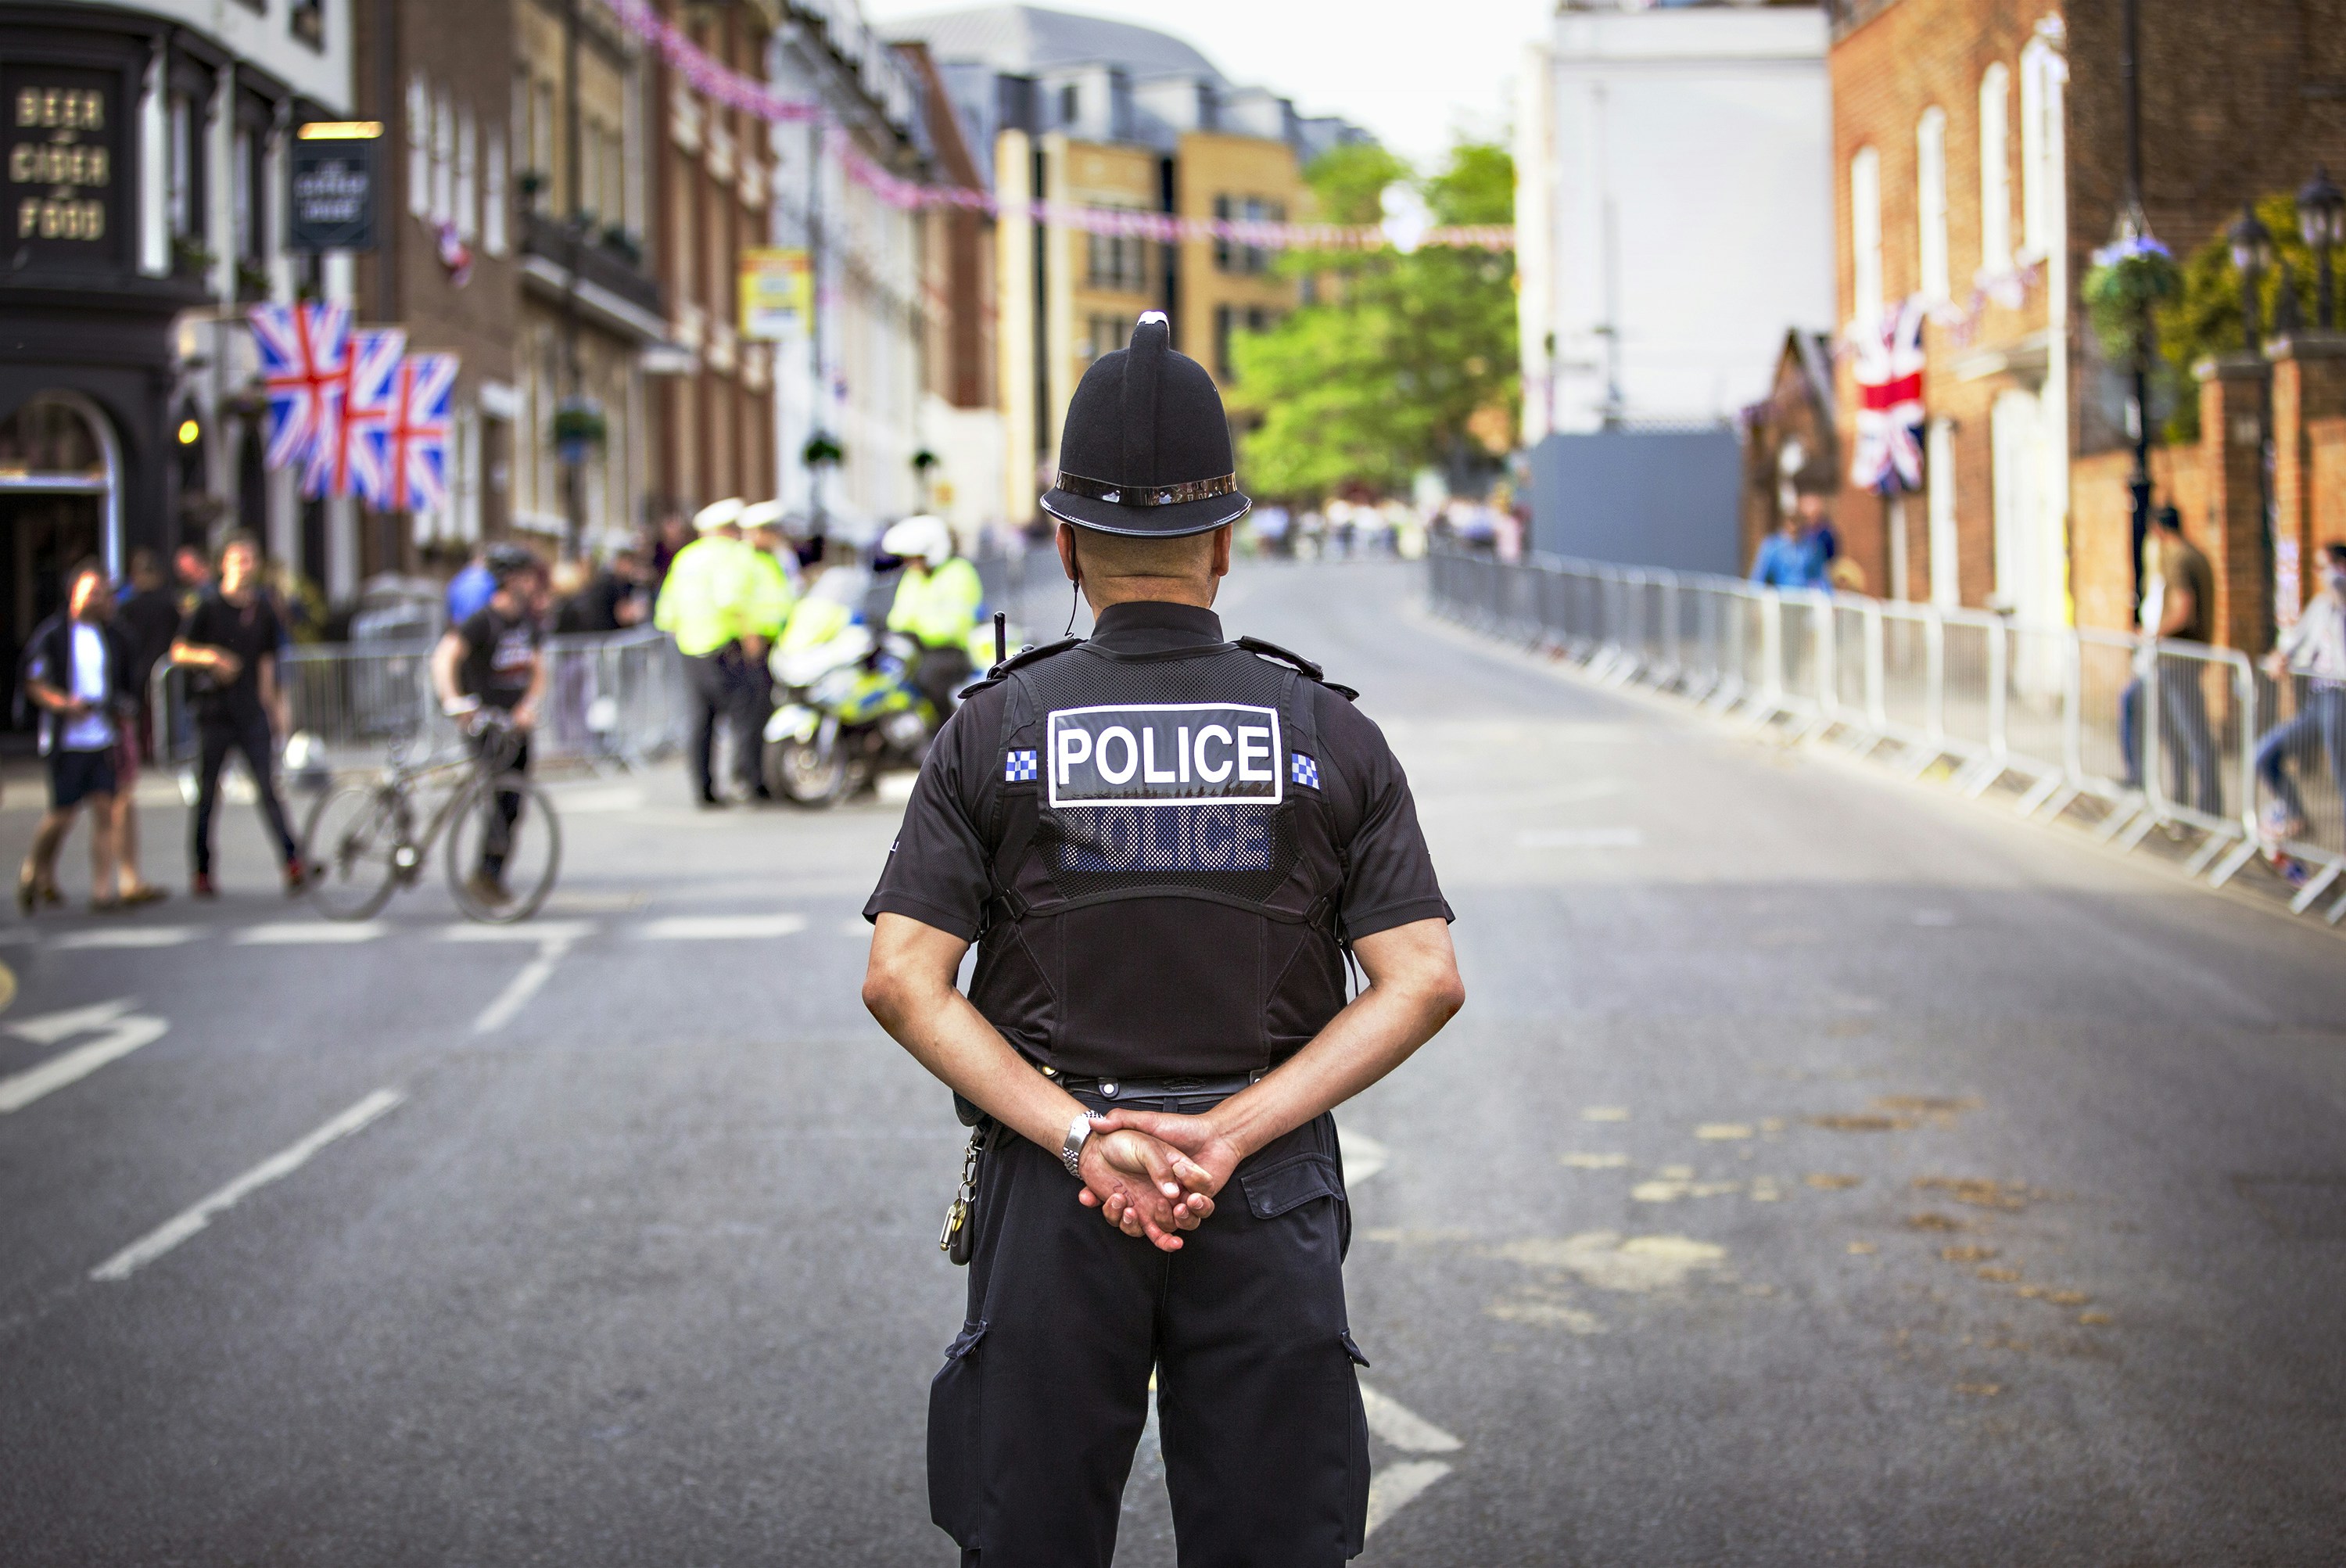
x=1413 y=74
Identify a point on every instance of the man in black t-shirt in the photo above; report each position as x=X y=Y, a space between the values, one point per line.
x=230 y=640
x=491 y=659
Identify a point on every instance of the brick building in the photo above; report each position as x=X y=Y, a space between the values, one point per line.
x=1980 y=151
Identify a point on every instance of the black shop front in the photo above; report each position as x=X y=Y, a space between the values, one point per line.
x=86 y=356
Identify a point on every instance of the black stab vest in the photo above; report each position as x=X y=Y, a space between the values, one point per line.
x=1150 y=916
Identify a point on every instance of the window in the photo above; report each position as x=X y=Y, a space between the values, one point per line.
x=1866 y=291
x=1246 y=260
x=444 y=158
x=244 y=189
x=1931 y=203
x=1119 y=261
x=1995 y=170
x=1222 y=322
x=468 y=182
x=541 y=147
x=186 y=206
x=419 y=146
x=1071 y=103
x=1107 y=336
x=2041 y=73
x=1939 y=478
x=493 y=196
x=307 y=21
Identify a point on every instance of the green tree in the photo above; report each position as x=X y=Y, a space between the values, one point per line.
x=2206 y=320
x=1385 y=367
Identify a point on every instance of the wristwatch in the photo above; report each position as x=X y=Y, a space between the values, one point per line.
x=1071 y=1152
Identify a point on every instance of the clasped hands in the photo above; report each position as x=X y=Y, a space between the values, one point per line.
x=1155 y=1174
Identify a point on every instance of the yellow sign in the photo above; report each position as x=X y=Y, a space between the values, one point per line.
x=776 y=294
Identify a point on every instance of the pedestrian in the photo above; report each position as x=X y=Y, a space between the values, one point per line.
x=1817 y=530
x=1167 y=843
x=230 y=641
x=705 y=603
x=2178 y=602
x=470 y=588
x=672 y=538
x=148 y=615
x=775 y=583
x=938 y=600
x=76 y=673
x=493 y=660
x=2314 y=651
x=1788 y=558
x=191 y=571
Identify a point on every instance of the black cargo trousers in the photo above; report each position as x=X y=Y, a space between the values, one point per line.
x=1035 y=1417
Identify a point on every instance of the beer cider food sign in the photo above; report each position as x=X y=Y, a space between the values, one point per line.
x=62 y=163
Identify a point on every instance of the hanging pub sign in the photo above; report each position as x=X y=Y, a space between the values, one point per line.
x=777 y=293
x=334 y=171
x=65 y=200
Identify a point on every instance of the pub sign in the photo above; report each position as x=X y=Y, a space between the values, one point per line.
x=65 y=167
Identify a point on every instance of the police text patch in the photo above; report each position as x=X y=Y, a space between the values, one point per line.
x=1164 y=754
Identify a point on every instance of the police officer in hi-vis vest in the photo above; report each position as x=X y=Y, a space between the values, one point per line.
x=1165 y=845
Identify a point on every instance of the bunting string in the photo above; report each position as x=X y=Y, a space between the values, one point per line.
x=722 y=85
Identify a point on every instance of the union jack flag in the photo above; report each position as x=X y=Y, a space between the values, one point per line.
x=409 y=447
x=346 y=463
x=304 y=361
x=1890 y=416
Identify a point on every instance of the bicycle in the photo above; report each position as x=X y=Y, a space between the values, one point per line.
x=361 y=845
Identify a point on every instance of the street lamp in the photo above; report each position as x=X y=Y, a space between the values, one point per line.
x=2251 y=253
x=2321 y=218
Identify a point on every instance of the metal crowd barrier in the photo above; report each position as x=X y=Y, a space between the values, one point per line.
x=2169 y=736
x=614 y=701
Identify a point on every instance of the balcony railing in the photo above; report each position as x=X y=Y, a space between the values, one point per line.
x=601 y=263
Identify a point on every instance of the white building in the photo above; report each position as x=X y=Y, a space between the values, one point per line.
x=1673 y=207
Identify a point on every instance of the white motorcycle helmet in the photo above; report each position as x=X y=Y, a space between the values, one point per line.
x=920 y=535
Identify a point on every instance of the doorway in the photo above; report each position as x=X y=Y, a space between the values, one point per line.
x=58 y=473
x=2025 y=589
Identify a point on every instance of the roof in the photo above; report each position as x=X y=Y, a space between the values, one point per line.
x=1023 y=40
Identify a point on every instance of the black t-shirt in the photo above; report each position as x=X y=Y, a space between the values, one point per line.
x=500 y=656
x=150 y=619
x=938 y=872
x=252 y=633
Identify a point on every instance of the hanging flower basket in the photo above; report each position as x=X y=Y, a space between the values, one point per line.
x=821 y=449
x=924 y=460
x=579 y=428
x=2129 y=278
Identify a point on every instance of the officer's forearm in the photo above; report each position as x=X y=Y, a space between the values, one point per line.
x=909 y=988
x=1413 y=990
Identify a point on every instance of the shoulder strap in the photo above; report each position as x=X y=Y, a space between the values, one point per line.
x=1020 y=660
x=1273 y=651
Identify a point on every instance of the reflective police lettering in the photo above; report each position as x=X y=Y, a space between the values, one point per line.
x=1214 y=835
x=1162 y=754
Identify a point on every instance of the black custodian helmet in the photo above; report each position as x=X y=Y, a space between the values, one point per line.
x=1147 y=447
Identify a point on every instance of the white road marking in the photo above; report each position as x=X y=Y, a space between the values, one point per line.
x=126 y=936
x=526 y=983
x=543 y=931
x=722 y=928
x=309 y=932
x=1402 y=1427
x=123 y=1032
x=1594 y=1162
x=1364 y=1157
x=276 y=1167
x=1397 y=1486
x=1581 y=839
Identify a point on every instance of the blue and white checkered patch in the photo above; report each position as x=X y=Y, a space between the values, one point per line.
x=1303 y=770
x=1018 y=768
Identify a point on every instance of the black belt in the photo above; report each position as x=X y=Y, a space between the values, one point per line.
x=1208 y=1086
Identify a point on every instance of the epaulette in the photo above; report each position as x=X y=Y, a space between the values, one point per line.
x=1273 y=651
x=1020 y=660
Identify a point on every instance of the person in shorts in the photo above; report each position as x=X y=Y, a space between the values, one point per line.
x=76 y=673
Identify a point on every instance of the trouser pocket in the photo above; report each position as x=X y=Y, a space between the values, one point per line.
x=957 y=1406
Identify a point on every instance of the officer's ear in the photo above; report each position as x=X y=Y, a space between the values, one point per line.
x=1068 y=561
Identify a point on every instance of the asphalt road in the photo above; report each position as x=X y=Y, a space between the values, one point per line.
x=1823 y=1171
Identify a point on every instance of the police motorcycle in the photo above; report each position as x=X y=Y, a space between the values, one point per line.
x=847 y=710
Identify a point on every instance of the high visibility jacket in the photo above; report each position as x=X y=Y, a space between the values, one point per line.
x=708 y=599
x=938 y=608
x=815 y=621
x=771 y=594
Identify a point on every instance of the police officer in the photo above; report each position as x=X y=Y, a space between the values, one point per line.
x=708 y=603
x=1165 y=844
x=936 y=605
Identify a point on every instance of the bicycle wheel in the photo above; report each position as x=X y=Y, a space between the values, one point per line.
x=350 y=844
x=504 y=849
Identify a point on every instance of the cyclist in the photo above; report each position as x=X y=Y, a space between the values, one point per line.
x=490 y=663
